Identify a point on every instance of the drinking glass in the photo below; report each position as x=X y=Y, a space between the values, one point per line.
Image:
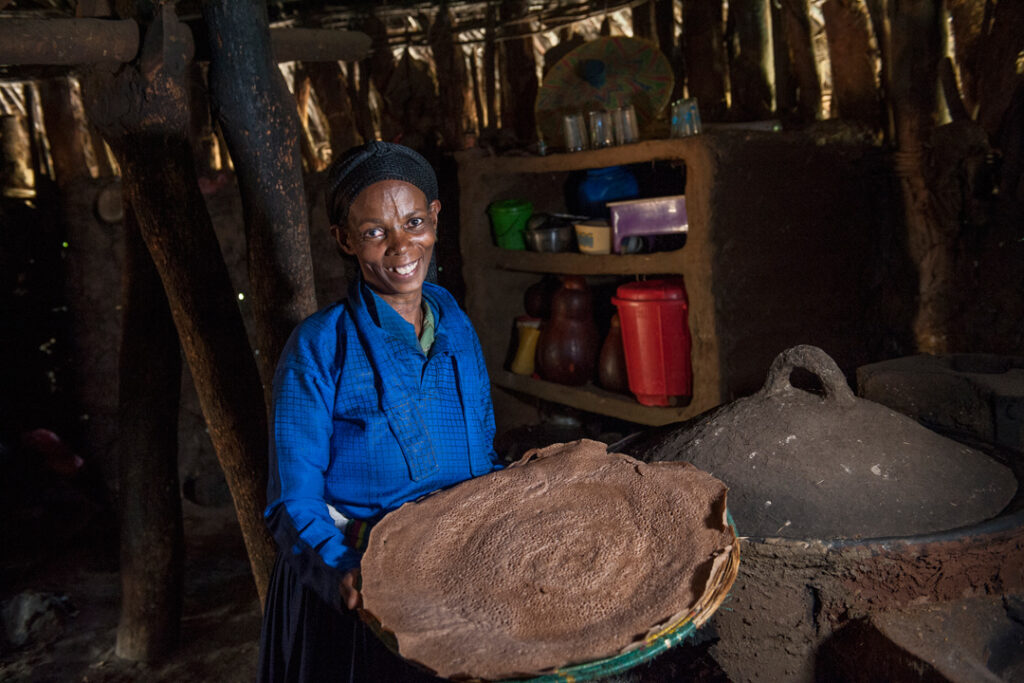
x=685 y=117
x=575 y=132
x=601 y=134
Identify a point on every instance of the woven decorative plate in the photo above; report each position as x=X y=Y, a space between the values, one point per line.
x=571 y=563
x=604 y=74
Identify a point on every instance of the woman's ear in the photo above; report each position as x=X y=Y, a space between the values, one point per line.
x=435 y=209
x=341 y=237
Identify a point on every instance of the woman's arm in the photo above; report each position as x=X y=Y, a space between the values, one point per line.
x=297 y=514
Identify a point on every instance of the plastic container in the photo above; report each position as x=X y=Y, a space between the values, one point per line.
x=508 y=221
x=656 y=339
x=642 y=217
x=603 y=185
x=594 y=237
x=527 y=333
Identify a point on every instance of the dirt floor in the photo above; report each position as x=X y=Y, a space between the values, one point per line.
x=220 y=627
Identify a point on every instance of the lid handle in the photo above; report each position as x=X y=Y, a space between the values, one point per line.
x=815 y=361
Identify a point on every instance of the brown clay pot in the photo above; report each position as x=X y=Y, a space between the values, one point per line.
x=803 y=465
x=568 y=344
x=611 y=363
x=537 y=297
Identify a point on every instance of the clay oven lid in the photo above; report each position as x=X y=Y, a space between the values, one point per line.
x=570 y=555
x=802 y=465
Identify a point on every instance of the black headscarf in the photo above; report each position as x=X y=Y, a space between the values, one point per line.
x=362 y=166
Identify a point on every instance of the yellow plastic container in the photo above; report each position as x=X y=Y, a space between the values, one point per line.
x=594 y=237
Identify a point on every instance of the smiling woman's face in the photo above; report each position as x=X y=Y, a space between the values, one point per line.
x=391 y=230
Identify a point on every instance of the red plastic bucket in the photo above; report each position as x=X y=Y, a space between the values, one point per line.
x=656 y=339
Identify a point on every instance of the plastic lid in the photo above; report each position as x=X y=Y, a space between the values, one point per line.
x=652 y=290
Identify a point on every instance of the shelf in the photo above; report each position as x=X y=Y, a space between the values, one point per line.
x=594 y=400
x=646 y=151
x=586 y=264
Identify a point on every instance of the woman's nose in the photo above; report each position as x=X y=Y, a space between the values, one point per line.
x=397 y=241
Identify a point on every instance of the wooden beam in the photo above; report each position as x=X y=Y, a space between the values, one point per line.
x=67 y=41
x=91 y=41
x=318 y=45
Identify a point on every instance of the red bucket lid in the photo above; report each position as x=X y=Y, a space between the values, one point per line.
x=652 y=290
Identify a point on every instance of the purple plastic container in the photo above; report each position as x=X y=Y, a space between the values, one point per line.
x=653 y=216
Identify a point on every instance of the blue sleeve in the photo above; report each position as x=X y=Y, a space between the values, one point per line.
x=486 y=404
x=300 y=432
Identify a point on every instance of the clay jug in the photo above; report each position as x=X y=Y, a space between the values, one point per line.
x=568 y=344
x=611 y=363
x=537 y=297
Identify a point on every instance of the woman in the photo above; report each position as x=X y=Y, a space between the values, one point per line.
x=378 y=399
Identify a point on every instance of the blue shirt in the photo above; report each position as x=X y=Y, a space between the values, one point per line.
x=363 y=421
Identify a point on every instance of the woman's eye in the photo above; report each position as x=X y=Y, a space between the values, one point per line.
x=416 y=222
x=373 y=234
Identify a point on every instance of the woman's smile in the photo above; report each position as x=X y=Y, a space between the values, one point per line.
x=406 y=270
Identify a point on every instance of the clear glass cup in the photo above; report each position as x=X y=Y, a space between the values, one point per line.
x=601 y=134
x=624 y=124
x=685 y=118
x=575 y=132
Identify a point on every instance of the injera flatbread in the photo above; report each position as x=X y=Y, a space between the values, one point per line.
x=570 y=555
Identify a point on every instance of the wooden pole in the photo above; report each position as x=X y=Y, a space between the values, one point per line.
x=520 y=68
x=258 y=117
x=915 y=49
x=66 y=132
x=142 y=112
x=490 y=89
x=318 y=45
x=152 y=532
x=67 y=41
x=854 y=91
x=329 y=84
x=999 y=69
x=704 y=56
x=796 y=27
x=642 y=16
x=750 y=60
x=450 y=64
x=95 y=41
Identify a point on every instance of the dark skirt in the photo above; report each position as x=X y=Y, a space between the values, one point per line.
x=305 y=640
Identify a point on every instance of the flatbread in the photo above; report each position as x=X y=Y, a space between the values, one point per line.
x=570 y=555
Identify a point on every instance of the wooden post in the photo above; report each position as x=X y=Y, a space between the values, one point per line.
x=205 y=146
x=999 y=68
x=853 y=71
x=704 y=56
x=67 y=41
x=642 y=16
x=152 y=534
x=750 y=60
x=521 y=74
x=915 y=47
x=142 y=112
x=450 y=64
x=474 y=78
x=970 y=28
x=796 y=27
x=66 y=131
x=16 y=174
x=329 y=84
x=490 y=90
x=258 y=117
x=307 y=145
x=665 y=32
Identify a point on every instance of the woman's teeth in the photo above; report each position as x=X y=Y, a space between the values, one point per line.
x=406 y=269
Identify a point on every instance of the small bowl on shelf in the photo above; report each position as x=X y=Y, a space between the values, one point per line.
x=594 y=237
x=552 y=238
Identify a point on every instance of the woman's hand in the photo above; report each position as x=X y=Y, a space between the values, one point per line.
x=350 y=585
